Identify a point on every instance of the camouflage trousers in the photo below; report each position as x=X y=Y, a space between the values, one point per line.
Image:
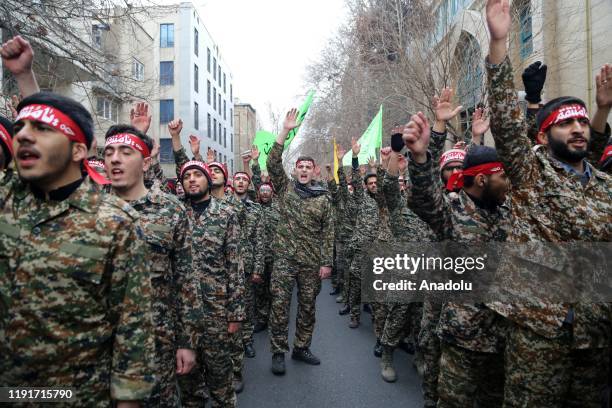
x=355 y=286
x=285 y=274
x=263 y=298
x=90 y=381
x=342 y=268
x=213 y=370
x=245 y=334
x=390 y=322
x=470 y=377
x=428 y=345
x=164 y=393
x=543 y=372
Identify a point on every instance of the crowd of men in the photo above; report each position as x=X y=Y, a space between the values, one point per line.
x=135 y=289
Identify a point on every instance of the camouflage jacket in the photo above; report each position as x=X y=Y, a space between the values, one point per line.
x=167 y=231
x=405 y=224
x=384 y=224
x=216 y=264
x=271 y=215
x=467 y=325
x=367 y=220
x=349 y=209
x=75 y=292
x=252 y=237
x=305 y=229
x=549 y=205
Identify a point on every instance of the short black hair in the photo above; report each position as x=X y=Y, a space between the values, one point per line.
x=75 y=110
x=117 y=129
x=367 y=176
x=476 y=156
x=555 y=104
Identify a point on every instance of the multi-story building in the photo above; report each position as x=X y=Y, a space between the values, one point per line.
x=195 y=84
x=245 y=127
x=570 y=36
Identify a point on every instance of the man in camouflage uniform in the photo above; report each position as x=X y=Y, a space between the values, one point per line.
x=556 y=354
x=168 y=235
x=271 y=215
x=75 y=289
x=471 y=360
x=304 y=247
x=251 y=245
x=216 y=234
x=366 y=230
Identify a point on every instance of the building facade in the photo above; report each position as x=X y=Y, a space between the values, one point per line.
x=570 y=36
x=195 y=84
x=245 y=127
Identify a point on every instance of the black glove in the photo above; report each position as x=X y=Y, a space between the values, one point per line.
x=397 y=142
x=533 y=79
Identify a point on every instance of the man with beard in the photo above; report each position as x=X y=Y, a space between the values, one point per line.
x=471 y=360
x=251 y=244
x=127 y=156
x=271 y=215
x=366 y=229
x=216 y=235
x=72 y=261
x=304 y=245
x=556 y=354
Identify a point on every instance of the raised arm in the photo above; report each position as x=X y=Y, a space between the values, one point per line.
x=600 y=130
x=427 y=197
x=507 y=121
x=180 y=156
x=275 y=157
x=444 y=112
x=17 y=56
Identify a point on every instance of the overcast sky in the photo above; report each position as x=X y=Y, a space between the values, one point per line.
x=268 y=43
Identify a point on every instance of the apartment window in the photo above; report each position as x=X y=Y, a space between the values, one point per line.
x=232 y=164
x=208 y=59
x=219 y=95
x=219 y=131
x=224 y=91
x=231 y=92
x=195 y=41
x=224 y=110
x=214 y=68
x=166 y=35
x=224 y=137
x=232 y=141
x=166 y=73
x=137 y=70
x=219 y=79
x=208 y=91
x=526 y=33
x=166 y=155
x=196 y=116
x=208 y=128
x=214 y=98
x=232 y=116
x=107 y=108
x=96 y=36
x=196 y=75
x=166 y=110
x=215 y=130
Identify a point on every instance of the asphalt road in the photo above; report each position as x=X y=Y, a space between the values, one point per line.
x=349 y=374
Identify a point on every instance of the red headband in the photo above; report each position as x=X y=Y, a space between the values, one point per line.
x=195 y=164
x=455 y=181
x=574 y=111
x=95 y=163
x=242 y=172
x=63 y=124
x=297 y=163
x=6 y=138
x=606 y=154
x=451 y=156
x=131 y=141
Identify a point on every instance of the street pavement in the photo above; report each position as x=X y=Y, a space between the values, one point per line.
x=349 y=374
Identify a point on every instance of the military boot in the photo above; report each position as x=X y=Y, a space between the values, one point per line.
x=354 y=323
x=304 y=354
x=386 y=364
x=238 y=383
x=378 y=349
x=278 y=363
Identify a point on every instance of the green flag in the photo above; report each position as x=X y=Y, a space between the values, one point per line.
x=370 y=141
x=264 y=142
x=301 y=115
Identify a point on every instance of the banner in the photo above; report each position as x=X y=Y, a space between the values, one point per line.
x=264 y=142
x=336 y=162
x=301 y=115
x=370 y=141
